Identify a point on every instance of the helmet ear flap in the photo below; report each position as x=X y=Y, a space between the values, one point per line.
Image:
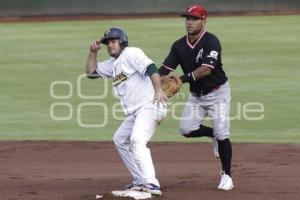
x=121 y=44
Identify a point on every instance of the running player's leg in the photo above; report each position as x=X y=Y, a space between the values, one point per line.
x=122 y=142
x=191 y=118
x=147 y=120
x=219 y=110
x=220 y=113
x=221 y=124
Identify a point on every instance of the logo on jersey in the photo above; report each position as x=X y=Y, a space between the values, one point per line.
x=119 y=78
x=199 y=55
x=213 y=54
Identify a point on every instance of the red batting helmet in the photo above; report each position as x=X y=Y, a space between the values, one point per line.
x=197 y=11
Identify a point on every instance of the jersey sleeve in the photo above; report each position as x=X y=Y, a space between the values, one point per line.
x=171 y=61
x=212 y=53
x=104 y=69
x=139 y=61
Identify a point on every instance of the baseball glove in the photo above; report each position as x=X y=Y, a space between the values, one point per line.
x=170 y=85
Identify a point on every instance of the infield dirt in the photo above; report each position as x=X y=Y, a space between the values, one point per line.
x=80 y=170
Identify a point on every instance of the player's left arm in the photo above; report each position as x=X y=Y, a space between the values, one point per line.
x=145 y=66
x=197 y=74
x=159 y=96
x=201 y=72
x=211 y=56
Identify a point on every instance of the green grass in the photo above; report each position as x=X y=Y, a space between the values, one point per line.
x=260 y=55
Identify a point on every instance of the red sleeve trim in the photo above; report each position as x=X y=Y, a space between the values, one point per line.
x=211 y=66
x=169 y=68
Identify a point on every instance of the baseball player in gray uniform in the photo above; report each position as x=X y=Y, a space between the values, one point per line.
x=199 y=55
x=136 y=82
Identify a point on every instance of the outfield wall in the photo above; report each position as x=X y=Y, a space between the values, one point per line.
x=104 y=7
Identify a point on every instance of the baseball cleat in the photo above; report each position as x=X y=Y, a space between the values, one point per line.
x=152 y=189
x=226 y=182
x=215 y=147
x=133 y=187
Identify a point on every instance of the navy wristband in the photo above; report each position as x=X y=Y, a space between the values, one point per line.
x=187 y=78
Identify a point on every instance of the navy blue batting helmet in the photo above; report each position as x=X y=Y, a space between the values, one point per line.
x=115 y=33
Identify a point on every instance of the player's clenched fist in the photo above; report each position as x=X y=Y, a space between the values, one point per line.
x=95 y=46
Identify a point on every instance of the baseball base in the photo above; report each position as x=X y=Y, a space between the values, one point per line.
x=99 y=196
x=133 y=194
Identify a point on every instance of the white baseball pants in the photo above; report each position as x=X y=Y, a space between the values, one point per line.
x=216 y=105
x=131 y=140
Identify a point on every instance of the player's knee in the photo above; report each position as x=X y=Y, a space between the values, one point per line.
x=221 y=137
x=224 y=140
x=134 y=140
x=136 y=145
x=118 y=142
x=186 y=134
x=133 y=146
x=185 y=130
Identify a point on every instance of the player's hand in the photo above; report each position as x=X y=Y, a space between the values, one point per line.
x=95 y=46
x=160 y=98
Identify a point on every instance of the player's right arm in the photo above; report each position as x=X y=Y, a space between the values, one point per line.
x=170 y=63
x=91 y=63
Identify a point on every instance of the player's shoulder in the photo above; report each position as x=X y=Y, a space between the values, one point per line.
x=109 y=61
x=179 y=42
x=211 y=37
x=132 y=51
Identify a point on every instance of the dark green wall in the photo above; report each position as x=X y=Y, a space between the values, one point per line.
x=89 y=7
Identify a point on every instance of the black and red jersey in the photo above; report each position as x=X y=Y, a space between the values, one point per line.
x=205 y=51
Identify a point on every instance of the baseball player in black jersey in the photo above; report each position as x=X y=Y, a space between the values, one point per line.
x=199 y=55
